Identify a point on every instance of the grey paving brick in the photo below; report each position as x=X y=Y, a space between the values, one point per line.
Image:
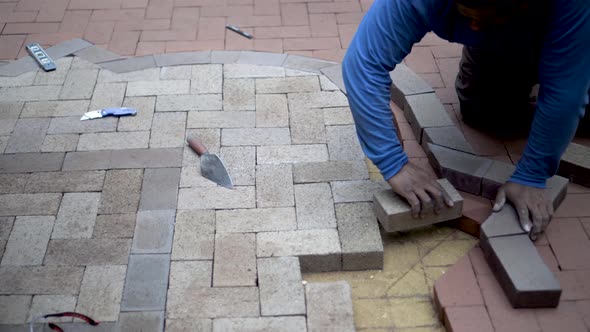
x=213 y=302
x=146 y=158
x=256 y=220
x=88 y=252
x=146 y=283
x=130 y=64
x=343 y=143
x=108 y=95
x=315 y=206
x=9 y=113
x=318 y=250
x=189 y=274
x=357 y=190
x=234 y=262
x=73 y=125
x=337 y=116
x=29 y=204
x=153 y=232
x=18 y=67
x=425 y=111
x=3 y=143
x=97 y=54
x=334 y=73
x=306 y=63
x=144 y=321
x=251 y=71
x=286 y=154
x=175 y=73
x=287 y=324
x=67 y=47
x=28 y=240
x=188 y=325
x=574 y=164
x=114 y=141
x=406 y=83
x=330 y=171
x=30 y=93
x=395 y=214
x=14 y=309
x=287 y=84
x=272 y=111
x=557 y=187
x=149 y=74
x=255 y=136
x=450 y=137
x=121 y=191
x=168 y=130
x=60 y=143
x=160 y=189
x=114 y=226
x=26 y=79
x=31 y=162
x=206 y=79
x=85 y=327
x=145 y=107
x=79 y=63
x=40 y=279
x=60 y=108
x=463 y=170
x=210 y=137
x=27 y=135
x=204 y=102
x=362 y=247
x=261 y=58
x=226 y=119
x=216 y=198
x=57 y=76
x=307 y=126
x=43 y=304
x=100 y=294
x=93 y=160
x=79 y=84
x=327 y=85
x=502 y=223
x=190 y=176
x=274 y=186
x=320 y=99
x=13 y=183
x=329 y=307
x=241 y=164
x=498 y=173
x=5 y=227
x=76 y=216
x=154 y=88
x=194 y=235
x=225 y=56
x=281 y=289
x=239 y=95
x=526 y=280
x=182 y=58
x=47 y=182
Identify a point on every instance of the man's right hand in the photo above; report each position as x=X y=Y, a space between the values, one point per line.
x=420 y=189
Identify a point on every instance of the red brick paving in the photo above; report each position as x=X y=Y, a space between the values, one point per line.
x=323 y=29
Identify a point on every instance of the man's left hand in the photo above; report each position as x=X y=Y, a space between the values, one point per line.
x=534 y=208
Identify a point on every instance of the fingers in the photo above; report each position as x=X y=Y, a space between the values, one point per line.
x=425 y=201
x=437 y=194
x=523 y=216
x=500 y=200
x=414 y=204
x=539 y=214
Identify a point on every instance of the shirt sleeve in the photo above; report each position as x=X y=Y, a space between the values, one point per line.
x=564 y=81
x=383 y=39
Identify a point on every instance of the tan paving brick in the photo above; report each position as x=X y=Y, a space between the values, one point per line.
x=283 y=154
x=204 y=102
x=190 y=274
x=12 y=183
x=61 y=108
x=315 y=206
x=114 y=226
x=145 y=107
x=101 y=292
x=241 y=164
x=234 y=261
x=287 y=84
x=28 y=241
x=255 y=136
x=238 y=95
x=274 y=186
x=307 y=126
x=207 y=302
x=29 y=204
x=272 y=110
x=88 y=252
x=43 y=304
x=76 y=216
x=60 y=143
x=225 y=119
x=121 y=192
x=256 y=220
x=194 y=235
x=114 y=141
x=14 y=309
x=281 y=288
x=168 y=130
x=107 y=95
x=77 y=181
x=206 y=79
x=151 y=88
x=40 y=279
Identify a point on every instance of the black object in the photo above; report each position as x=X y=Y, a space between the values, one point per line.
x=238 y=31
x=41 y=56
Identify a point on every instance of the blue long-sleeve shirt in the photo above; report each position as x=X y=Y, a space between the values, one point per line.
x=391 y=27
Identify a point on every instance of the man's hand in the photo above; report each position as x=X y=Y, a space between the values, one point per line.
x=420 y=189
x=528 y=202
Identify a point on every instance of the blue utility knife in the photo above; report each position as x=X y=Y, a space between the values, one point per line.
x=117 y=111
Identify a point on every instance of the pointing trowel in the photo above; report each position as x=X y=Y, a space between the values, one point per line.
x=212 y=167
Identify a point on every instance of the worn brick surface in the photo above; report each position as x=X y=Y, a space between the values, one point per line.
x=208 y=302
x=143 y=119
x=241 y=164
x=40 y=279
x=146 y=158
x=160 y=189
x=93 y=160
x=168 y=130
x=226 y=119
x=206 y=79
x=107 y=95
x=149 y=74
x=238 y=95
x=321 y=99
x=362 y=247
x=182 y=325
x=60 y=143
x=194 y=235
x=121 y=191
x=356 y=191
x=271 y=110
x=29 y=204
x=100 y=294
x=274 y=186
x=287 y=324
x=147 y=321
x=28 y=241
x=114 y=226
x=330 y=171
x=9 y=113
x=284 y=154
x=13 y=183
x=307 y=126
x=153 y=232
x=76 y=216
x=5 y=227
x=52 y=303
x=337 y=116
x=114 y=141
x=281 y=290
x=251 y=71
x=175 y=73
x=287 y=84
x=79 y=84
x=329 y=306
x=88 y=252
x=343 y=143
x=146 y=283
x=234 y=262
x=73 y=125
x=30 y=93
x=26 y=79
x=163 y=87
x=256 y=220
x=315 y=206
x=14 y=308
x=255 y=136
x=205 y=102
x=27 y=135
x=59 y=108
x=190 y=274
x=216 y=198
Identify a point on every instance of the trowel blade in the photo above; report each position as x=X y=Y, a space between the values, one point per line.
x=213 y=168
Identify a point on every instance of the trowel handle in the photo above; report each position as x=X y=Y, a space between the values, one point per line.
x=197 y=146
